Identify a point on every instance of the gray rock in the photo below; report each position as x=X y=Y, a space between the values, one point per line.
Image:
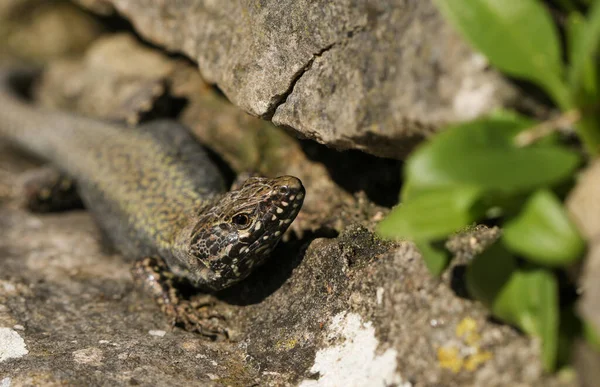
x=37 y=30
x=346 y=311
x=584 y=208
x=373 y=75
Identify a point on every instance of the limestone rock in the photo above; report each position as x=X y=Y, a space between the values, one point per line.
x=371 y=75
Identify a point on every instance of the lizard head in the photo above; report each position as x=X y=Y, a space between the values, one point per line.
x=239 y=232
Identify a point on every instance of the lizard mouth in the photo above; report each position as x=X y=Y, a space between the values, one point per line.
x=279 y=210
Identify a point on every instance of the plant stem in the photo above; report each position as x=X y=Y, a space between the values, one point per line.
x=566 y=120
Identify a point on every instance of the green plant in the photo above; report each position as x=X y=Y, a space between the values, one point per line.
x=512 y=167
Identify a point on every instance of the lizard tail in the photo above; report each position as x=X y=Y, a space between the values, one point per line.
x=40 y=131
x=20 y=123
x=15 y=87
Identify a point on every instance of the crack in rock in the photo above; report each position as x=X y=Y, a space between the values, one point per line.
x=281 y=99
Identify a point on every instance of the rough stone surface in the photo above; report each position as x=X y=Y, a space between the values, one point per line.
x=102 y=7
x=11 y=344
x=372 y=75
x=108 y=82
x=38 y=30
x=584 y=207
x=83 y=323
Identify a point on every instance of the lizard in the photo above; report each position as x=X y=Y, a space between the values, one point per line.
x=158 y=197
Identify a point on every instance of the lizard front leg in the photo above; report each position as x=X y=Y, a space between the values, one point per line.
x=195 y=315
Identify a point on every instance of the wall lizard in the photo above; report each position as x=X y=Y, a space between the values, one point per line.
x=158 y=197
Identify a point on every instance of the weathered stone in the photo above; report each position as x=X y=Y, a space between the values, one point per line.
x=348 y=309
x=584 y=208
x=108 y=82
x=102 y=7
x=38 y=30
x=372 y=75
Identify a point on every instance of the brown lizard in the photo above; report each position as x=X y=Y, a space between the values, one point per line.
x=158 y=197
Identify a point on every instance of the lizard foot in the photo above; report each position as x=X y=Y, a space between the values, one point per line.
x=197 y=314
x=48 y=190
x=201 y=318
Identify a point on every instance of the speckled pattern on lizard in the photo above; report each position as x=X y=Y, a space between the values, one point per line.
x=158 y=197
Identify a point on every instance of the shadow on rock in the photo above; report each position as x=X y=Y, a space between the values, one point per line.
x=266 y=279
x=356 y=171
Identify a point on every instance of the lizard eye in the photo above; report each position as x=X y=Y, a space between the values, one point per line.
x=241 y=220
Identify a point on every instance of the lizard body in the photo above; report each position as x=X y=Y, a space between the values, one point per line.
x=154 y=191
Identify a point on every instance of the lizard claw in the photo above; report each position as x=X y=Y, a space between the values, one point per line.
x=203 y=320
x=195 y=315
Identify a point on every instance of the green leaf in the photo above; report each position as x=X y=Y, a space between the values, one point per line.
x=567 y=5
x=591 y=335
x=588 y=129
x=431 y=215
x=525 y=298
x=436 y=259
x=582 y=71
x=517 y=36
x=584 y=37
x=570 y=329
x=543 y=233
x=489 y=272
x=482 y=154
x=530 y=301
